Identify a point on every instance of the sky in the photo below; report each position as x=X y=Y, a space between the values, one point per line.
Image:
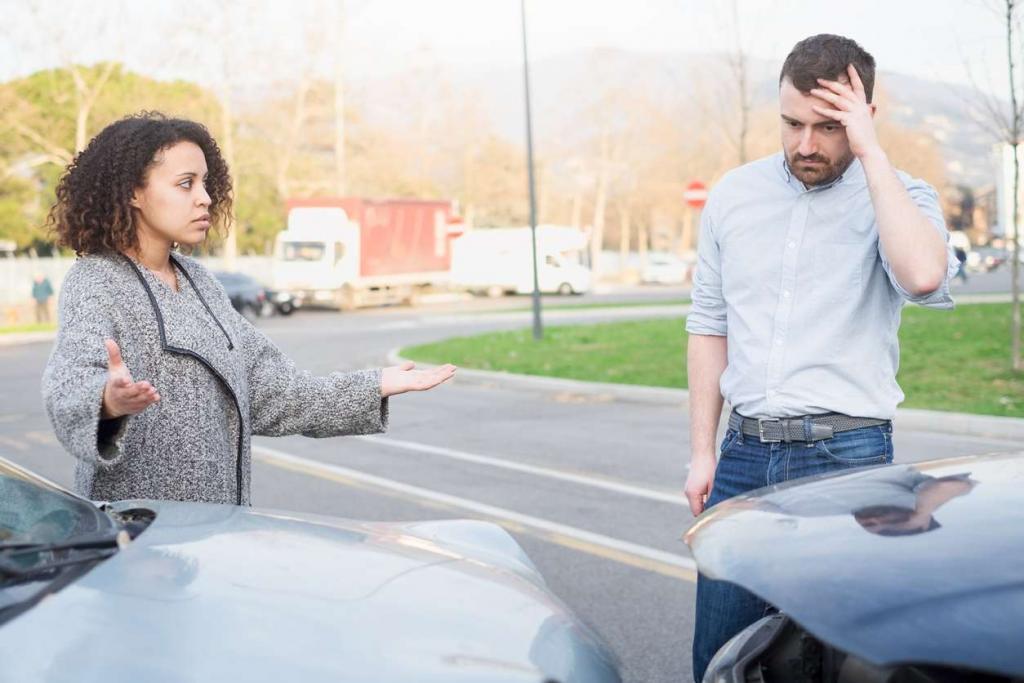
x=944 y=40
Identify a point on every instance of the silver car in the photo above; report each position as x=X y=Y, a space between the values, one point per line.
x=159 y=591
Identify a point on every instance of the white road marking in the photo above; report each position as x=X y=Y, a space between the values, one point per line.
x=582 y=479
x=651 y=559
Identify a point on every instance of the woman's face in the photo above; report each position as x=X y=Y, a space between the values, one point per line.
x=173 y=205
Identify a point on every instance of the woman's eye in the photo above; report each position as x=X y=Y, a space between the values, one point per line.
x=187 y=184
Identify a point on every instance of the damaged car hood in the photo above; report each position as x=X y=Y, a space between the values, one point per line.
x=919 y=563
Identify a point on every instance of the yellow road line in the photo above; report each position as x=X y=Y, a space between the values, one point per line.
x=623 y=552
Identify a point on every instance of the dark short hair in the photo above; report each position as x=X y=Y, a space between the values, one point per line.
x=894 y=515
x=93 y=212
x=827 y=56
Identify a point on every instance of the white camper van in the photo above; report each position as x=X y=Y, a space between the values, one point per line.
x=500 y=260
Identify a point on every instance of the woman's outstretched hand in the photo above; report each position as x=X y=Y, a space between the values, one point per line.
x=122 y=396
x=399 y=379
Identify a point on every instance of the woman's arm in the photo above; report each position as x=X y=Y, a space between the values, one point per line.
x=77 y=373
x=285 y=400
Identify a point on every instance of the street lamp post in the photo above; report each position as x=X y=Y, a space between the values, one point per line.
x=538 y=328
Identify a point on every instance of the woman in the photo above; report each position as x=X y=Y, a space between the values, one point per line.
x=155 y=384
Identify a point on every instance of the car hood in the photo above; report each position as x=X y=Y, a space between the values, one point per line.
x=212 y=592
x=945 y=587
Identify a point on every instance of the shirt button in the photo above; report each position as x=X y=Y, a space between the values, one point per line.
x=786 y=294
x=792 y=244
x=778 y=342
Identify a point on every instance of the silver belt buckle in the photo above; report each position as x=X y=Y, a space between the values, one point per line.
x=821 y=432
x=760 y=429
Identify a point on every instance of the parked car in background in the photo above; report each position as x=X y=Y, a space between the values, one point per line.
x=665 y=269
x=883 y=574
x=252 y=299
x=986 y=259
x=154 y=591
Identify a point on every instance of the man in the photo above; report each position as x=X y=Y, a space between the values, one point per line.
x=805 y=260
x=42 y=290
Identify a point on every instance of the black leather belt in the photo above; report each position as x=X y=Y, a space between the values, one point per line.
x=807 y=428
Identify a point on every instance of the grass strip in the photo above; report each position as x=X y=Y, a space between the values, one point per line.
x=950 y=360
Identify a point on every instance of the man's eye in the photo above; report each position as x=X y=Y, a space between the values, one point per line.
x=831 y=129
x=793 y=124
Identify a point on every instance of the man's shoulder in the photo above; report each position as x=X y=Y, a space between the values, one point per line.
x=765 y=169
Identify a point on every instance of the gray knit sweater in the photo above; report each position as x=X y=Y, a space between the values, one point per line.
x=220 y=381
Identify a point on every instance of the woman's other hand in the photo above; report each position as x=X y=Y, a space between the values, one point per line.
x=122 y=396
x=399 y=379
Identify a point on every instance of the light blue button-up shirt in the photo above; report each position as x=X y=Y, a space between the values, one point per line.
x=796 y=279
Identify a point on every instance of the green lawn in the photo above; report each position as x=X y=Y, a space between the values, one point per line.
x=612 y=304
x=30 y=327
x=951 y=360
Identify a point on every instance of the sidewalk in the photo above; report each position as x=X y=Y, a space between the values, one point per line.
x=16 y=338
x=959 y=424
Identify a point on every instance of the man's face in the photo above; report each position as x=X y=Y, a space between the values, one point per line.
x=816 y=146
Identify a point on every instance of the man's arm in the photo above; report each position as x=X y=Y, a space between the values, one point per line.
x=915 y=250
x=706 y=358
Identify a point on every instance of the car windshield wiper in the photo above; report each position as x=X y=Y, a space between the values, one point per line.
x=85 y=548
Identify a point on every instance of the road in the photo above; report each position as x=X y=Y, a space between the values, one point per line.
x=589 y=485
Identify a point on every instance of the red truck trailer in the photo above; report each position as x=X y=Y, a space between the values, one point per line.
x=351 y=252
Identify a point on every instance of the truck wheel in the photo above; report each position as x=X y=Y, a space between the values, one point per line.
x=565 y=289
x=412 y=298
x=348 y=299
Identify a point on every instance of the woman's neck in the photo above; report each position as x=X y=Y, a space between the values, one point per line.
x=154 y=253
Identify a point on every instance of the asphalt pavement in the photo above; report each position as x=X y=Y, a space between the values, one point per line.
x=589 y=483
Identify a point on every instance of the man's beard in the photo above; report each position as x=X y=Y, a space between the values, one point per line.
x=821 y=173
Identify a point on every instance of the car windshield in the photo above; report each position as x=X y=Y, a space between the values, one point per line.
x=45 y=534
x=32 y=512
x=302 y=251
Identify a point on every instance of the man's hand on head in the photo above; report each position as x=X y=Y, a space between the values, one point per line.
x=850 y=107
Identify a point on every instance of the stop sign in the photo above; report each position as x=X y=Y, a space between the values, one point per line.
x=696 y=194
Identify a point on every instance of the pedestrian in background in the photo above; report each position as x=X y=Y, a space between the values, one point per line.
x=805 y=260
x=42 y=290
x=155 y=383
x=961 y=258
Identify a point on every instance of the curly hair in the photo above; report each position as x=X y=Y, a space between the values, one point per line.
x=93 y=213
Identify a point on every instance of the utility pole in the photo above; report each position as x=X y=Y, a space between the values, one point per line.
x=538 y=327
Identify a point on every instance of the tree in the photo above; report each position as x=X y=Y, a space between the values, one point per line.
x=1005 y=125
x=41 y=131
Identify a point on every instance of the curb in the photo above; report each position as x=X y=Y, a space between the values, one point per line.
x=913 y=419
x=16 y=338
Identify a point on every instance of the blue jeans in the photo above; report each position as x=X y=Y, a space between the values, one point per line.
x=724 y=609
